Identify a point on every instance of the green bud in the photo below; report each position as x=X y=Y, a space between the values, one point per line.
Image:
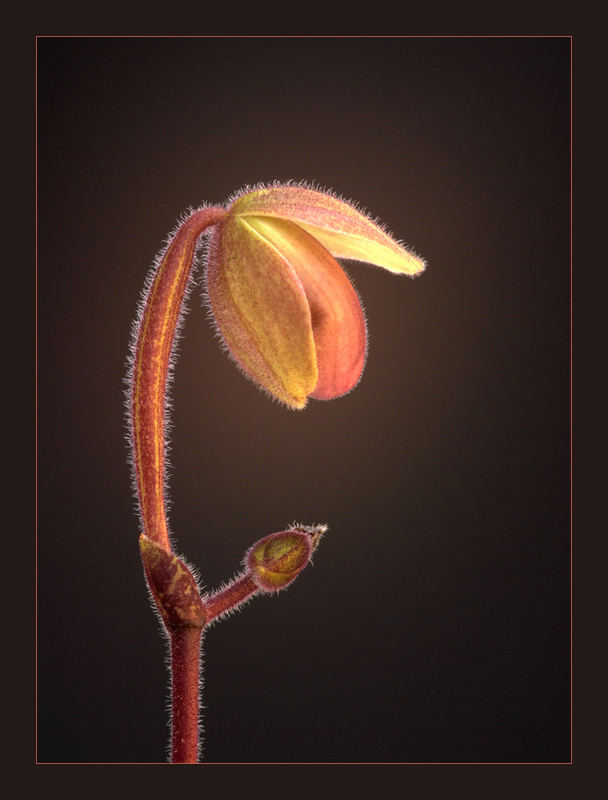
x=277 y=560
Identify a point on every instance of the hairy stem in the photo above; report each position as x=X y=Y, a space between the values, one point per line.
x=162 y=309
x=272 y=563
x=230 y=597
x=152 y=358
x=185 y=670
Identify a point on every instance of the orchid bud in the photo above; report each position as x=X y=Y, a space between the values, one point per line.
x=276 y=561
x=284 y=307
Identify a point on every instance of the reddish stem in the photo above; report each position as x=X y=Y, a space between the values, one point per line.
x=185 y=667
x=230 y=597
x=170 y=581
x=154 y=346
x=162 y=309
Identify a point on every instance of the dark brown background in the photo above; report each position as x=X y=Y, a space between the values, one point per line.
x=434 y=625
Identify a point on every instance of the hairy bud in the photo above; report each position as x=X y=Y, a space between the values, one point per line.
x=284 y=307
x=276 y=561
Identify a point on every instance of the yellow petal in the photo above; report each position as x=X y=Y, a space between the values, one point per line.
x=338 y=225
x=261 y=311
x=338 y=323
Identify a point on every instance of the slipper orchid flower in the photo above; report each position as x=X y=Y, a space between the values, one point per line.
x=283 y=305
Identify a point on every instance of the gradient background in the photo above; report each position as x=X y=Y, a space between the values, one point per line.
x=434 y=625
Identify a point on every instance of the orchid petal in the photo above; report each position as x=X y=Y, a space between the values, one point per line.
x=338 y=323
x=261 y=311
x=343 y=230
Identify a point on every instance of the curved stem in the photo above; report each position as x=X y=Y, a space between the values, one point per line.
x=158 y=324
x=172 y=585
x=157 y=327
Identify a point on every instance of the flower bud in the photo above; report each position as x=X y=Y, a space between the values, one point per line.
x=284 y=307
x=277 y=560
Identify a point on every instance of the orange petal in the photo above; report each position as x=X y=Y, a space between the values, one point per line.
x=261 y=311
x=338 y=225
x=338 y=323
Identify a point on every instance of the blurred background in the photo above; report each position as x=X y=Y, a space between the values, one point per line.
x=435 y=623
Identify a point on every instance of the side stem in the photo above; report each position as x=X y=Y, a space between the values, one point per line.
x=230 y=597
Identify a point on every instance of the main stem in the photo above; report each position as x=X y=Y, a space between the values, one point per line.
x=162 y=310
x=185 y=671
